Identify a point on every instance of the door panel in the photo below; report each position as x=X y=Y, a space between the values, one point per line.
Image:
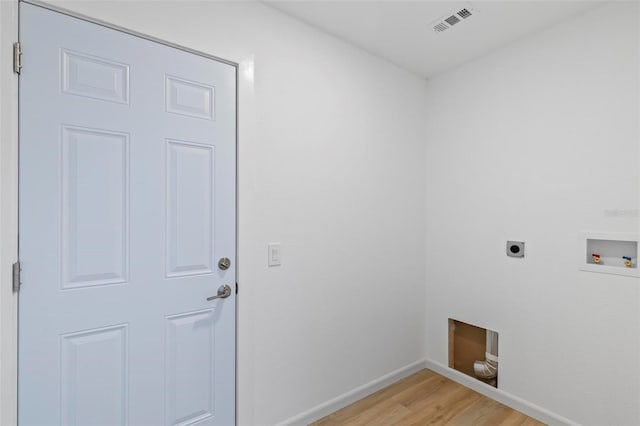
x=189 y=98
x=93 y=77
x=90 y=357
x=127 y=201
x=95 y=207
x=190 y=359
x=189 y=208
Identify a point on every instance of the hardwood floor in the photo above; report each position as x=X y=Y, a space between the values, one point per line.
x=427 y=398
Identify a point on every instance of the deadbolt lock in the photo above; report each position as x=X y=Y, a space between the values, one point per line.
x=224 y=263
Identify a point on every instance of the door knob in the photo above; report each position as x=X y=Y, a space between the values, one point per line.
x=224 y=291
x=224 y=263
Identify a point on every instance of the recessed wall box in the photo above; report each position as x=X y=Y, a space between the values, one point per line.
x=515 y=248
x=609 y=253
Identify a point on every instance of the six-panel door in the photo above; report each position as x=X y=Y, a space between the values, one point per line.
x=127 y=200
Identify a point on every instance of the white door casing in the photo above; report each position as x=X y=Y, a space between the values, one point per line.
x=8 y=213
x=127 y=201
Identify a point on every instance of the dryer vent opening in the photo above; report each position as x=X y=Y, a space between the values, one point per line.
x=473 y=351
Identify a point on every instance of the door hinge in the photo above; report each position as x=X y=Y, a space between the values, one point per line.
x=17 y=272
x=236 y=288
x=17 y=58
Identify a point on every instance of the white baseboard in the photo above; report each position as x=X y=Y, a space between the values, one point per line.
x=335 y=404
x=352 y=396
x=531 y=410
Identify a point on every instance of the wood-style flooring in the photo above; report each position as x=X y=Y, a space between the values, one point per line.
x=427 y=398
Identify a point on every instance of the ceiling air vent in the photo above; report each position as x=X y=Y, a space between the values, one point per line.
x=448 y=21
x=440 y=27
x=452 y=20
x=464 y=13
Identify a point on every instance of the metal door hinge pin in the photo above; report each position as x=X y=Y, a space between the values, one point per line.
x=17 y=271
x=17 y=58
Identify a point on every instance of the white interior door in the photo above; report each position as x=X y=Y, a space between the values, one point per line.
x=127 y=202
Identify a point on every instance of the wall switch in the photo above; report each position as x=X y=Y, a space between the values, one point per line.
x=275 y=254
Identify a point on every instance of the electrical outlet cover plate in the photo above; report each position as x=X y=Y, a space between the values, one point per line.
x=515 y=248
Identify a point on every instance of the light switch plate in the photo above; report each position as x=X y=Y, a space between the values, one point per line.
x=275 y=254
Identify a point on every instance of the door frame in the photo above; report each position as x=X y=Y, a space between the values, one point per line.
x=9 y=142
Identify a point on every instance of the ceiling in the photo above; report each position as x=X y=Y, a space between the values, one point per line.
x=402 y=31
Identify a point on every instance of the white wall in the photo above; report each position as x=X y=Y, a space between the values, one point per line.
x=330 y=164
x=537 y=142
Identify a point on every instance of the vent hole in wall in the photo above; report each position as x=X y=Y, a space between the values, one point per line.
x=473 y=351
